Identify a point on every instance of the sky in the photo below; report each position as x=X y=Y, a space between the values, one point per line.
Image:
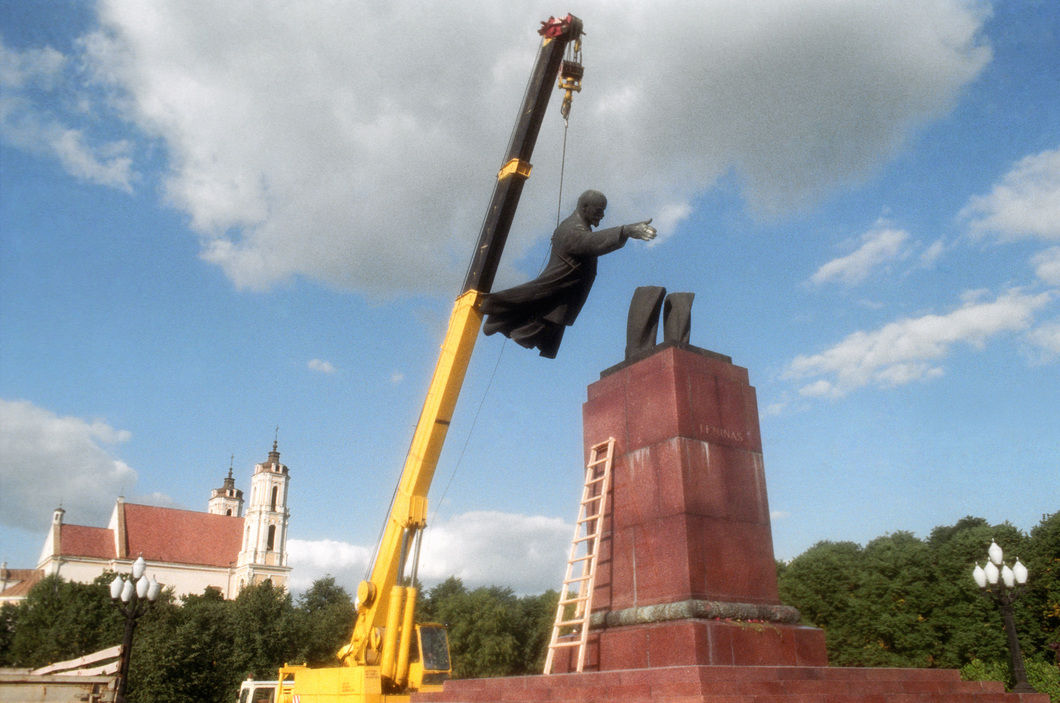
x=228 y=224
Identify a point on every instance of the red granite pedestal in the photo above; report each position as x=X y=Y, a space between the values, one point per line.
x=686 y=573
x=686 y=606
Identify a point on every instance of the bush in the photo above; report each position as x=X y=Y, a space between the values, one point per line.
x=1043 y=676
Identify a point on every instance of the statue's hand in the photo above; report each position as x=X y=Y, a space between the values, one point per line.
x=642 y=230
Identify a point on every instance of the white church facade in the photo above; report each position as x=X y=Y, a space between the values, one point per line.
x=224 y=548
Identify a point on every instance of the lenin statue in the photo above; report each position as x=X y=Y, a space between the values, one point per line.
x=535 y=313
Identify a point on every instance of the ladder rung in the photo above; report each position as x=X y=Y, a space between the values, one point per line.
x=567 y=643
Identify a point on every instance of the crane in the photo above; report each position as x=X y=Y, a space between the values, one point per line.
x=389 y=656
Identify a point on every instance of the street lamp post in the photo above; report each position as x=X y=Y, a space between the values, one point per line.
x=1004 y=584
x=133 y=597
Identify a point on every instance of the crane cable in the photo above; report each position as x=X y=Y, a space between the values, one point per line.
x=562 y=168
x=570 y=81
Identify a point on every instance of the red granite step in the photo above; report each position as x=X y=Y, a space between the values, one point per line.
x=733 y=684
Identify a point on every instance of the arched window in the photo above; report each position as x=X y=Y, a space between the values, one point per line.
x=275 y=492
x=272 y=538
x=228 y=512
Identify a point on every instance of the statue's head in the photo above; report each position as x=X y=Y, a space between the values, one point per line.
x=591 y=205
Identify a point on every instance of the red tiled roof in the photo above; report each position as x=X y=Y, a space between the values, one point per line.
x=24 y=579
x=182 y=536
x=78 y=540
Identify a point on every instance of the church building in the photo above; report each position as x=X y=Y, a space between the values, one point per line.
x=225 y=548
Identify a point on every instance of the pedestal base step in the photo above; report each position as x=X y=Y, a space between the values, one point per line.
x=733 y=684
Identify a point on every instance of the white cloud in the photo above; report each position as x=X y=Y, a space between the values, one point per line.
x=1046 y=340
x=26 y=78
x=50 y=460
x=1047 y=266
x=321 y=366
x=933 y=253
x=878 y=247
x=314 y=559
x=526 y=553
x=1024 y=205
x=33 y=66
x=301 y=144
x=909 y=349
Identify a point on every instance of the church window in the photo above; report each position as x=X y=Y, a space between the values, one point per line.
x=275 y=491
x=272 y=537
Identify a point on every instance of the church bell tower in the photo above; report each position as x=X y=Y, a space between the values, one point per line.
x=226 y=500
x=264 y=552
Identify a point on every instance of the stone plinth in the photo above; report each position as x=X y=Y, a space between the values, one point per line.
x=733 y=684
x=688 y=523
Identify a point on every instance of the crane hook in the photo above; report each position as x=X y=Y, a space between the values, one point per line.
x=570 y=76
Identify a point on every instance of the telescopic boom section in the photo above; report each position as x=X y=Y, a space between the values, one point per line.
x=387 y=599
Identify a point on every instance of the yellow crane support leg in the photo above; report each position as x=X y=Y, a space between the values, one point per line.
x=408 y=632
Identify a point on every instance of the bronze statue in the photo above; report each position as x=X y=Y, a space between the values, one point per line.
x=642 y=326
x=536 y=313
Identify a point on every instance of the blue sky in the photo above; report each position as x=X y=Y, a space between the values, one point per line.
x=220 y=219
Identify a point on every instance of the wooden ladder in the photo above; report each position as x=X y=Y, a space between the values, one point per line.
x=573 y=630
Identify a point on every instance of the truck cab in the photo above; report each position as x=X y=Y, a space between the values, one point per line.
x=251 y=691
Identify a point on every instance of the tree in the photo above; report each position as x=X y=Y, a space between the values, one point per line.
x=1040 y=606
x=895 y=600
x=185 y=653
x=822 y=583
x=538 y=614
x=264 y=631
x=325 y=622
x=901 y=601
x=9 y=613
x=492 y=632
x=967 y=625
x=62 y=620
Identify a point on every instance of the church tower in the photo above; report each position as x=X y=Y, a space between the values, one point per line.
x=264 y=553
x=226 y=500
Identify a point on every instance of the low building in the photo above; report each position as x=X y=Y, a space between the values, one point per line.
x=223 y=548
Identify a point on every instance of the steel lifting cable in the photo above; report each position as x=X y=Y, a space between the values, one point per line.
x=570 y=80
x=562 y=168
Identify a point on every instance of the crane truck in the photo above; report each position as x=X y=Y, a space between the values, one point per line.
x=390 y=656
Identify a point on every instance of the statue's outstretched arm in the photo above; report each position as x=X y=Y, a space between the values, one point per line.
x=641 y=230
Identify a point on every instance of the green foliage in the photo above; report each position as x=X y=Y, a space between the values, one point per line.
x=897 y=601
x=199 y=649
x=60 y=620
x=324 y=621
x=184 y=653
x=1043 y=676
x=8 y=624
x=264 y=630
x=492 y=632
x=901 y=601
x=1042 y=556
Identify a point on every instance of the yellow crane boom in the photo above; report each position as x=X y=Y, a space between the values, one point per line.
x=390 y=656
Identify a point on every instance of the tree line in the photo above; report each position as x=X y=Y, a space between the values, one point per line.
x=898 y=601
x=901 y=601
